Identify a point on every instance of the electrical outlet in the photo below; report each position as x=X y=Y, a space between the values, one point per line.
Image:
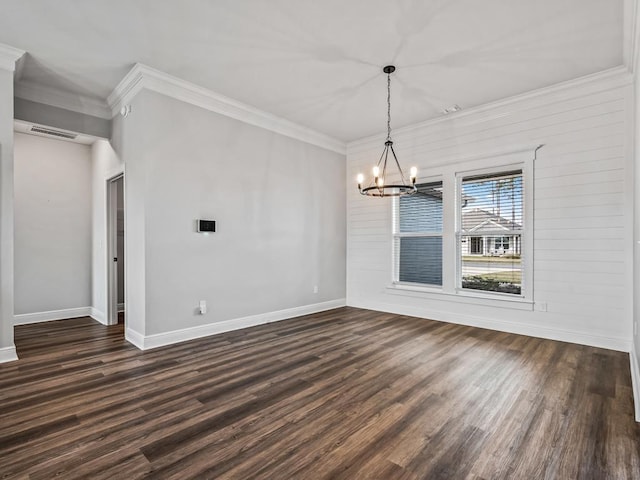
x=203 y=307
x=315 y=289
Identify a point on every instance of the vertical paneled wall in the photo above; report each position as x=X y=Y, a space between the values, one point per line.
x=583 y=204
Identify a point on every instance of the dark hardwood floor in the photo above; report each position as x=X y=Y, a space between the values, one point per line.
x=345 y=394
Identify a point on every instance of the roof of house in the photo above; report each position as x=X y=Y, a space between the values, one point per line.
x=478 y=221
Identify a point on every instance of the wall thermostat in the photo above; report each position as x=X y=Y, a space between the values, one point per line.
x=206 y=225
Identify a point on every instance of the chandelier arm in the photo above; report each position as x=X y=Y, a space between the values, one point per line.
x=393 y=152
x=381 y=157
x=384 y=168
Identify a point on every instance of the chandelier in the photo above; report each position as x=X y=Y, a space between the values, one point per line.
x=377 y=186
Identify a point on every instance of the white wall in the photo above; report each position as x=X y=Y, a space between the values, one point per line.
x=52 y=213
x=583 y=212
x=106 y=164
x=278 y=204
x=7 y=348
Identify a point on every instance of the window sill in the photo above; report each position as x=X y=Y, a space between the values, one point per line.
x=460 y=296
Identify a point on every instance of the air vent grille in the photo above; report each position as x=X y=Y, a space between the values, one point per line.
x=53 y=133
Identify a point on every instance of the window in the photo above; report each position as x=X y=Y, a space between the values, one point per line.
x=501 y=244
x=468 y=237
x=418 y=236
x=491 y=219
x=476 y=245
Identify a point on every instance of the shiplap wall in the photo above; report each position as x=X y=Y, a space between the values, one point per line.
x=583 y=200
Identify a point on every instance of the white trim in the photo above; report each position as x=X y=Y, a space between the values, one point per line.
x=135 y=338
x=630 y=35
x=54 y=97
x=98 y=316
x=9 y=56
x=130 y=85
x=488 y=299
x=144 y=77
x=112 y=250
x=37 y=317
x=8 y=354
x=635 y=380
x=19 y=69
x=586 y=85
x=620 y=344
x=168 y=338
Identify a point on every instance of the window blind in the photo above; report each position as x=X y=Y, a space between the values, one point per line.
x=418 y=236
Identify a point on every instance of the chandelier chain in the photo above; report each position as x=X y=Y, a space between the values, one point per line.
x=388 y=106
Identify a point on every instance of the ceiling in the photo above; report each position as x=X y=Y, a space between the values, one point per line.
x=318 y=63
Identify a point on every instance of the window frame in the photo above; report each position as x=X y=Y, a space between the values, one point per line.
x=449 y=172
x=526 y=231
x=396 y=235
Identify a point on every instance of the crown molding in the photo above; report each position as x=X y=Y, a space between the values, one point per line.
x=9 y=56
x=130 y=85
x=604 y=80
x=144 y=77
x=62 y=99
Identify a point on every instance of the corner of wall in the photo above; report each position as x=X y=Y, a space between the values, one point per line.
x=8 y=354
x=635 y=380
x=98 y=316
x=135 y=338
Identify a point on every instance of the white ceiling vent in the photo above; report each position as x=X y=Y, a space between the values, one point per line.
x=53 y=133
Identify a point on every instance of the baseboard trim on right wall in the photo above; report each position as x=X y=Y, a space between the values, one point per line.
x=635 y=380
x=619 y=344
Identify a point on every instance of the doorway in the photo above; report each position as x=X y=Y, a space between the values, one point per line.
x=116 y=254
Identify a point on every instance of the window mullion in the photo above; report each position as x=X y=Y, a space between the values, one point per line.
x=449 y=267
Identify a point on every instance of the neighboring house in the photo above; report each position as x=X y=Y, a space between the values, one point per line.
x=484 y=233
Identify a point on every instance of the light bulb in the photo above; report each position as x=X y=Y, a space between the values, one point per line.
x=376 y=171
x=360 y=178
x=380 y=182
x=414 y=172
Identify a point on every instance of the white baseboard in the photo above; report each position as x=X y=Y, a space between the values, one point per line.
x=635 y=380
x=593 y=340
x=135 y=338
x=120 y=307
x=98 y=316
x=146 y=342
x=8 y=354
x=27 y=318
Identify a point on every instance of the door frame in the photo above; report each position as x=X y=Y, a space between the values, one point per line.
x=112 y=249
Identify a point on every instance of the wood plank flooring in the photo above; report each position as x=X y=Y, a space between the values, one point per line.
x=344 y=394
